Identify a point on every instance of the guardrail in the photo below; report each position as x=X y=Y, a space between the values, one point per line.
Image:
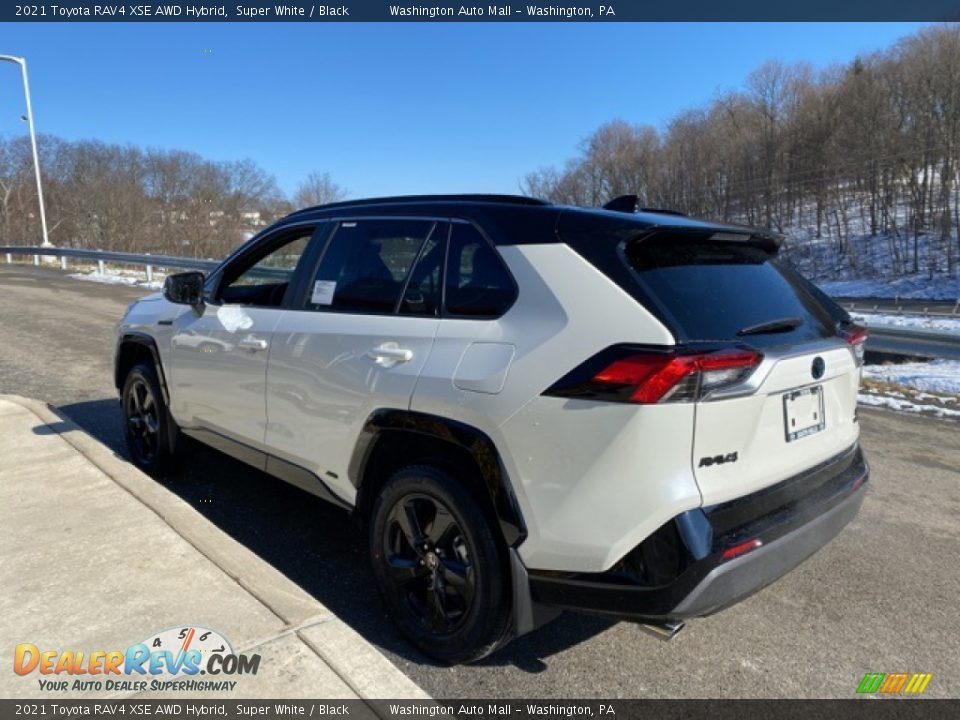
x=913 y=342
x=902 y=306
x=101 y=257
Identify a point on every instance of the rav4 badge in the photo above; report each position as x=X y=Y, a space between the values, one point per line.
x=718 y=459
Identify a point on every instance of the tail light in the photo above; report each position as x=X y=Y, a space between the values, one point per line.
x=856 y=336
x=622 y=374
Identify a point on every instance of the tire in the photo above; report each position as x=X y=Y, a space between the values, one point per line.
x=451 y=598
x=149 y=430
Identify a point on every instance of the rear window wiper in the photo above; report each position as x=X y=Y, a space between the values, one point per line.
x=772 y=326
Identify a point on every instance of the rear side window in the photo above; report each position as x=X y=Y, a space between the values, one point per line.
x=725 y=291
x=477 y=284
x=366 y=264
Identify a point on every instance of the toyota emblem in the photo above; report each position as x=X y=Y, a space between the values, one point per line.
x=818 y=368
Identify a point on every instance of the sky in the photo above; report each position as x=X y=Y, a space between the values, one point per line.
x=391 y=108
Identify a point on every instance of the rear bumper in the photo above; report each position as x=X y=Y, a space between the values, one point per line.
x=740 y=577
x=681 y=572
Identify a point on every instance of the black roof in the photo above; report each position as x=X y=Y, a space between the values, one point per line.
x=516 y=219
x=423 y=199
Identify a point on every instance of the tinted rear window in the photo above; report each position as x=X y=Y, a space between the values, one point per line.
x=710 y=290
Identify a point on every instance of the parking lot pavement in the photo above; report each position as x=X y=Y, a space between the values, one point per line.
x=97 y=556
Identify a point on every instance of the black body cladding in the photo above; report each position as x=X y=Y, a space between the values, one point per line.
x=128 y=347
x=400 y=424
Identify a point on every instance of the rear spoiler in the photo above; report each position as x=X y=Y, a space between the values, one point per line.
x=769 y=241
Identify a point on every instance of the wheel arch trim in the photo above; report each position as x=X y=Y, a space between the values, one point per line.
x=476 y=443
x=143 y=340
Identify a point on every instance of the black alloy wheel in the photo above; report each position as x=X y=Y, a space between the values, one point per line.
x=429 y=561
x=142 y=421
x=441 y=564
x=153 y=439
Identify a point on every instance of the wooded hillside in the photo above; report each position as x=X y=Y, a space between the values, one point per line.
x=862 y=157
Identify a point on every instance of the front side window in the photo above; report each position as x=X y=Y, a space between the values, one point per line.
x=477 y=285
x=365 y=266
x=262 y=280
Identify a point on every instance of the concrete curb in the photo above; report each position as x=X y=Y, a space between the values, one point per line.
x=358 y=663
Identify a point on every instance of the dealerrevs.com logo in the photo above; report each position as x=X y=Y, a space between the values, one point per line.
x=170 y=660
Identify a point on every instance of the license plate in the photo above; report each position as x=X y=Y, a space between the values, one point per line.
x=803 y=412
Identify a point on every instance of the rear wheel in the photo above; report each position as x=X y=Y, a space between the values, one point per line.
x=440 y=566
x=148 y=428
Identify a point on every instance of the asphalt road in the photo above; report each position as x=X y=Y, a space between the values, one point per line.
x=881 y=598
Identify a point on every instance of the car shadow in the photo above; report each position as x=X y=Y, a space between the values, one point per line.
x=318 y=546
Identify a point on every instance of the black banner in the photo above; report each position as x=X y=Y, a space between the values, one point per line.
x=488 y=709
x=430 y=11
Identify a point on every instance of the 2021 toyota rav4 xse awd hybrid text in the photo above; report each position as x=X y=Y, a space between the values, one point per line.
x=530 y=407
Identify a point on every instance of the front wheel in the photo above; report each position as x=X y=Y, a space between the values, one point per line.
x=439 y=566
x=150 y=432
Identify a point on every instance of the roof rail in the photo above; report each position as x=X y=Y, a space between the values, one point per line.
x=398 y=199
x=631 y=204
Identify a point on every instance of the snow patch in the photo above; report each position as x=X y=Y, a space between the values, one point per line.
x=951 y=325
x=937 y=376
x=111 y=278
x=905 y=405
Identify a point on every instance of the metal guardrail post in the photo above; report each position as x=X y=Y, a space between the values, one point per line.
x=149 y=273
x=36 y=259
x=100 y=268
x=63 y=262
x=9 y=258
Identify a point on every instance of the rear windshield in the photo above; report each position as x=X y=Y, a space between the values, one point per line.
x=708 y=290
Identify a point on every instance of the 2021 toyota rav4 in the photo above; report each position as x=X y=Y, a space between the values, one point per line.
x=531 y=407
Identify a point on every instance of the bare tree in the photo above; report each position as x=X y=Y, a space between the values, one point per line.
x=318 y=189
x=115 y=197
x=859 y=163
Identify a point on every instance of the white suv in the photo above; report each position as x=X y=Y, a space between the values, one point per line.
x=532 y=407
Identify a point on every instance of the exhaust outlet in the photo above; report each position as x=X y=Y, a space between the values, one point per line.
x=662 y=630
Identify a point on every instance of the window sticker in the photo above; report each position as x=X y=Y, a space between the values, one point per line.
x=323 y=291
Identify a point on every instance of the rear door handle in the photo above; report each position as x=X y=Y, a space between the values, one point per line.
x=390 y=353
x=252 y=343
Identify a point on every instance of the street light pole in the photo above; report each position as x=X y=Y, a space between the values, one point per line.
x=22 y=62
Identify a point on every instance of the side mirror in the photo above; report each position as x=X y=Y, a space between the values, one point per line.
x=184 y=288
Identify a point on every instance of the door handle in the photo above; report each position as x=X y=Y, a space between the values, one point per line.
x=390 y=353
x=252 y=343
